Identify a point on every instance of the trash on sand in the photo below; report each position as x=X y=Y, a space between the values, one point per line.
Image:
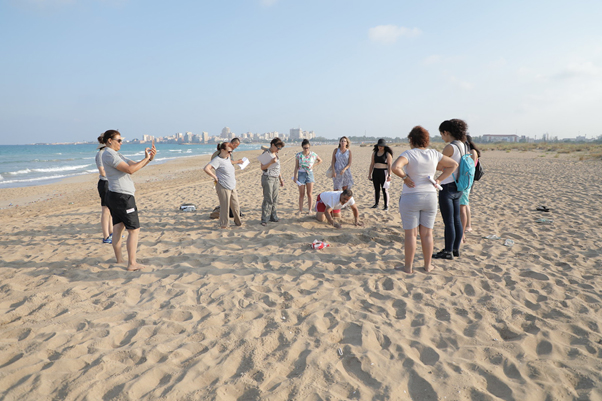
x=509 y=243
x=187 y=207
x=544 y=221
x=340 y=352
x=492 y=236
x=319 y=244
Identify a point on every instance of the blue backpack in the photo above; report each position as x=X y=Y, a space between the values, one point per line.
x=465 y=170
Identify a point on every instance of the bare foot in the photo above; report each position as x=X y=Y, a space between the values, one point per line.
x=405 y=269
x=429 y=268
x=135 y=268
x=469 y=229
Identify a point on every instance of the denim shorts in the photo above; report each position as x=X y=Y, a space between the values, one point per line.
x=305 y=177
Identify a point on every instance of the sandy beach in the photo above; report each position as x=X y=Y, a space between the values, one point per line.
x=253 y=313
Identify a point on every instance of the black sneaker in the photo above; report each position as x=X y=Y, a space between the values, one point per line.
x=442 y=254
x=386 y=208
x=456 y=253
x=374 y=207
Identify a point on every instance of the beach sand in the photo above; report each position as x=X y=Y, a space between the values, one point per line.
x=252 y=313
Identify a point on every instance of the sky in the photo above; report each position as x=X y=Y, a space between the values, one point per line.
x=71 y=69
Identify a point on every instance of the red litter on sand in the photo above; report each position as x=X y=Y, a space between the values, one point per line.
x=319 y=244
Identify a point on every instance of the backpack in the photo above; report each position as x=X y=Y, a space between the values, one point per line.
x=465 y=171
x=478 y=170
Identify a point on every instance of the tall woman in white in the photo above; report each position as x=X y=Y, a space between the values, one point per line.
x=418 y=201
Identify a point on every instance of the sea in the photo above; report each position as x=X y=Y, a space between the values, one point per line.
x=30 y=165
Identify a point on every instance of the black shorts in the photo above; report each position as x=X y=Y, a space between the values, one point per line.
x=123 y=209
x=103 y=188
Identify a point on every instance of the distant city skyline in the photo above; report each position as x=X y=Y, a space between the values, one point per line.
x=72 y=69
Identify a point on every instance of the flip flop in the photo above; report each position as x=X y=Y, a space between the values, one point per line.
x=542 y=209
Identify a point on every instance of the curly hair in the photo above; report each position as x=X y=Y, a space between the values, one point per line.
x=457 y=128
x=419 y=137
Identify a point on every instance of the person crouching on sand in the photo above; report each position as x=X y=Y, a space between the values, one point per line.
x=120 y=198
x=330 y=203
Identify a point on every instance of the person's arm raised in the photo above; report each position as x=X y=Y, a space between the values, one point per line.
x=131 y=167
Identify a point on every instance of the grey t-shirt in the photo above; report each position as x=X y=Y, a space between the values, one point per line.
x=119 y=181
x=99 y=163
x=224 y=170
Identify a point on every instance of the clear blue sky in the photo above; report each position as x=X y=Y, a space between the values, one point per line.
x=70 y=69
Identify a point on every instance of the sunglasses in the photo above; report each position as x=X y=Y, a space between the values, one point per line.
x=229 y=151
x=118 y=140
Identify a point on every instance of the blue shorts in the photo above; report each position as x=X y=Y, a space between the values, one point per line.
x=464 y=197
x=305 y=177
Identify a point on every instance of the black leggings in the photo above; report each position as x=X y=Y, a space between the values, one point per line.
x=379 y=177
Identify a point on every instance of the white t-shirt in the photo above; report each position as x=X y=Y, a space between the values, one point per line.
x=421 y=164
x=332 y=199
x=456 y=156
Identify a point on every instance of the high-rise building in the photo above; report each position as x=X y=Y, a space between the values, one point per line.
x=297 y=133
x=205 y=136
x=226 y=133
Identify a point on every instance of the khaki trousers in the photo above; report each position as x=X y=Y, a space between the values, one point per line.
x=228 y=198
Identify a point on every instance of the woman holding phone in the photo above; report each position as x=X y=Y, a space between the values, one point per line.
x=120 y=197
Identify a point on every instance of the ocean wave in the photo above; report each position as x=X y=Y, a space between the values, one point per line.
x=26 y=171
x=52 y=177
x=57 y=169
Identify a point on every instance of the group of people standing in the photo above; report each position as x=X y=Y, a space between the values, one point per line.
x=417 y=205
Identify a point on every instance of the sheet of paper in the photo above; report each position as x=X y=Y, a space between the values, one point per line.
x=245 y=163
x=265 y=158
